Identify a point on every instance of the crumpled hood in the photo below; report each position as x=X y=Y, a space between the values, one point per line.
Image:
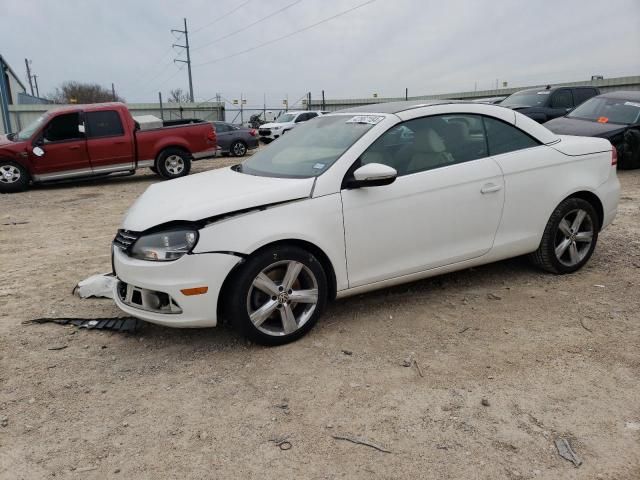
x=204 y=195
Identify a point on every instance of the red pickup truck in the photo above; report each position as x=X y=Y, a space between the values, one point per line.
x=97 y=140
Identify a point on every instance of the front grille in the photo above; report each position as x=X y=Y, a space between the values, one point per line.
x=125 y=238
x=264 y=131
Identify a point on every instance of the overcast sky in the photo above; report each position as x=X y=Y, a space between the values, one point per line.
x=429 y=46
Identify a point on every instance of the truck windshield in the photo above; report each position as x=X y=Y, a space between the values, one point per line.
x=526 y=99
x=25 y=133
x=307 y=150
x=287 y=117
x=608 y=110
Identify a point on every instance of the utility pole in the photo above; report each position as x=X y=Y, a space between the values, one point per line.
x=161 y=109
x=113 y=92
x=35 y=82
x=188 y=60
x=26 y=63
x=406 y=93
x=324 y=106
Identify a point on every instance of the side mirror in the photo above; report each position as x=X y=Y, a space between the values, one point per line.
x=38 y=152
x=81 y=128
x=372 y=175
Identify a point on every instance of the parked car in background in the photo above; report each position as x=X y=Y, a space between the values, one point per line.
x=614 y=116
x=543 y=104
x=235 y=141
x=97 y=140
x=359 y=200
x=285 y=122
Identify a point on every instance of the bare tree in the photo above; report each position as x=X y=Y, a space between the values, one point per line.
x=177 y=95
x=77 y=92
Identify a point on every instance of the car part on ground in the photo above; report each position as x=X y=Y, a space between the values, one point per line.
x=117 y=324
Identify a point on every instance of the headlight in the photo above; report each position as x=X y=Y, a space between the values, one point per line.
x=277 y=128
x=165 y=246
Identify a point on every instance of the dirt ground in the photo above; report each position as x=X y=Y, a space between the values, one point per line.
x=511 y=359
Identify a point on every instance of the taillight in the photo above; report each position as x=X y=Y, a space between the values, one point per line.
x=253 y=132
x=211 y=136
x=614 y=155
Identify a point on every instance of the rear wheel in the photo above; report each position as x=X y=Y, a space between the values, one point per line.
x=238 y=149
x=569 y=238
x=278 y=295
x=13 y=177
x=173 y=163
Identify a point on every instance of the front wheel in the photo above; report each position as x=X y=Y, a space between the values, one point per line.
x=569 y=238
x=173 y=163
x=278 y=295
x=13 y=177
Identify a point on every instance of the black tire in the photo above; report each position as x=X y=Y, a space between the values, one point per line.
x=547 y=258
x=238 y=149
x=153 y=169
x=173 y=163
x=13 y=177
x=243 y=295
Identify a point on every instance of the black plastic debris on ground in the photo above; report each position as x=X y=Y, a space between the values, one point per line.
x=116 y=324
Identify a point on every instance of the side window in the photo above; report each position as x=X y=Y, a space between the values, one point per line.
x=504 y=138
x=582 y=94
x=221 y=128
x=429 y=142
x=562 y=99
x=302 y=117
x=104 y=124
x=311 y=115
x=63 y=128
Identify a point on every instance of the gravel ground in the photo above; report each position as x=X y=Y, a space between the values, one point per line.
x=507 y=359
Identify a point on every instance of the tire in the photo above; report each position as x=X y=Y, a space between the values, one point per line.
x=13 y=177
x=173 y=163
x=259 y=285
x=569 y=238
x=238 y=149
x=153 y=169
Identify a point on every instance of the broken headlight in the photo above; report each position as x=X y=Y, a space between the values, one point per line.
x=165 y=246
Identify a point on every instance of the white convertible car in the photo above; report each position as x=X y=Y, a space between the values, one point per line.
x=358 y=200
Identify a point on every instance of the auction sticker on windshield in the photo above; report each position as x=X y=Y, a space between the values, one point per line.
x=368 y=119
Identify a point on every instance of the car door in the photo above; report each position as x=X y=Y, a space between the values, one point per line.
x=110 y=149
x=223 y=136
x=443 y=208
x=560 y=103
x=62 y=151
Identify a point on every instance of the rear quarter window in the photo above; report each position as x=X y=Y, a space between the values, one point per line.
x=104 y=124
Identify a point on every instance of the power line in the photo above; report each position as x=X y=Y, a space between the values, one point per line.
x=248 y=26
x=220 y=18
x=264 y=44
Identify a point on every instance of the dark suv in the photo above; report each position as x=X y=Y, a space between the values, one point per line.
x=543 y=104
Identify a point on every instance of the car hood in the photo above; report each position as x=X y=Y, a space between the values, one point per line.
x=272 y=125
x=583 y=128
x=205 y=195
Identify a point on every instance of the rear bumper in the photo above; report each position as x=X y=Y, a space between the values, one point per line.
x=170 y=278
x=609 y=193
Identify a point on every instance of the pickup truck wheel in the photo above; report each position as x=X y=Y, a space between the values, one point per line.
x=238 y=149
x=13 y=177
x=569 y=237
x=173 y=163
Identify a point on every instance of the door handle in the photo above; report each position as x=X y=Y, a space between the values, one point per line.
x=490 y=188
x=74 y=147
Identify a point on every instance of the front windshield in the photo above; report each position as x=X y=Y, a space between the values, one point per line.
x=608 y=110
x=309 y=149
x=25 y=133
x=287 y=117
x=526 y=99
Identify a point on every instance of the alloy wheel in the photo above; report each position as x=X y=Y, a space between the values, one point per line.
x=174 y=164
x=574 y=237
x=282 y=298
x=9 y=174
x=239 y=149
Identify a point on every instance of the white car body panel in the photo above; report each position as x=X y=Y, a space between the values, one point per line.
x=278 y=128
x=423 y=224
